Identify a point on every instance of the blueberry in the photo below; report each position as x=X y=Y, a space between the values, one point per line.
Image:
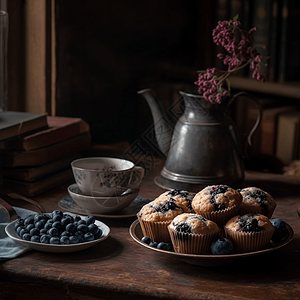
x=146 y=239
x=162 y=246
x=67 y=216
x=29 y=227
x=83 y=228
x=221 y=246
x=64 y=240
x=153 y=244
x=54 y=240
x=53 y=232
x=48 y=225
x=57 y=212
x=65 y=233
x=79 y=234
x=98 y=234
x=45 y=239
x=73 y=239
x=35 y=238
x=19 y=229
x=56 y=217
x=57 y=225
x=280 y=229
x=65 y=221
x=46 y=217
x=29 y=220
x=169 y=247
x=81 y=222
x=88 y=237
x=19 y=222
x=35 y=231
x=77 y=218
x=38 y=217
x=90 y=220
x=93 y=228
x=43 y=231
x=183 y=228
x=71 y=227
x=26 y=236
x=40 y=224
x=23 y=231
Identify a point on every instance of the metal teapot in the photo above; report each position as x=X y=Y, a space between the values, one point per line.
x=203 y=148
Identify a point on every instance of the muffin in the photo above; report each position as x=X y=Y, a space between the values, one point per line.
x=255 y=200
x=181 y=198
x=193 y=234
x=155 y=216
x=250 y=232
x=217 y=203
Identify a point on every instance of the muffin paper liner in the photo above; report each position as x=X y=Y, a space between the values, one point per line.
x=249 y=241
x=157 y=231
x=190 y=243
x=222 y=216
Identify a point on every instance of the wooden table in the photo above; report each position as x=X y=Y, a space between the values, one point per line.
x=120 y=268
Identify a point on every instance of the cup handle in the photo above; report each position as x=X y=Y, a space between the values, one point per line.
x=137 y=177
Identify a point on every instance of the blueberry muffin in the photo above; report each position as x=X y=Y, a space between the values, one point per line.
x=250 y=232
x=181 y=198
x=155 y=216
x=193 y=234
x=255 y=200
x=217 y=203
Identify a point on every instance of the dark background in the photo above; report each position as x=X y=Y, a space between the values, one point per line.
x=108 y=50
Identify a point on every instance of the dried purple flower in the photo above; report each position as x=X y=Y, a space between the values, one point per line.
x=212 y=83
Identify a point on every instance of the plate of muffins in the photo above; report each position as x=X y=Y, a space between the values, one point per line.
x=215 y=226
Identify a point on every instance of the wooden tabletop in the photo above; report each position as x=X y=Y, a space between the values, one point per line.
x=120 y=268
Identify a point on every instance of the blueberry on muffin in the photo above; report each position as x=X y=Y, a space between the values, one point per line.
x=181 y=198
x=155 y=216
x=217 y=203
x=255 y=200
x=250 y=232
x=192 y=234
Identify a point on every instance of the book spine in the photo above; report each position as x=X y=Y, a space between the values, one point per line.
x=287 y=136
x=283 y=41
x=262 y=20
x=274 y=41
x=289 y=63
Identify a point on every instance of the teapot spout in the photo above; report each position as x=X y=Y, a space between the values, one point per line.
x=162 y=126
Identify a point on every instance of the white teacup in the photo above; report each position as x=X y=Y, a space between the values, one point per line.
x=103 y=176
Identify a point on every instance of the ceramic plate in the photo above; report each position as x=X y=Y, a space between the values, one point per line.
x=69 y=204
x=10 y=231
x=207 y=260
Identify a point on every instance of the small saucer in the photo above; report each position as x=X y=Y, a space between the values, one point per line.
x=68 y=204
x=101 y=205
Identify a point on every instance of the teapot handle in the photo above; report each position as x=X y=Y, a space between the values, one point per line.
x=258 y=120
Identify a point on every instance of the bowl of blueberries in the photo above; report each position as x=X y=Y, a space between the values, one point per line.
x=57 y=231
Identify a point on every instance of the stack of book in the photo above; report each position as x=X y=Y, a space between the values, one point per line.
x=36 y=150
x=279 y=132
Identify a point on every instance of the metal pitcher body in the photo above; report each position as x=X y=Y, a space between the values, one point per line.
x=205 y=148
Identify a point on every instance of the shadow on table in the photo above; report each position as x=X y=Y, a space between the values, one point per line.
x=108 y=249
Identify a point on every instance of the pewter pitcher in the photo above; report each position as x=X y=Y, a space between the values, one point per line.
x=203 y=148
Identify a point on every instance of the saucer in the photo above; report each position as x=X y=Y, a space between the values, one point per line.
x=68 y=204
x=101 y=205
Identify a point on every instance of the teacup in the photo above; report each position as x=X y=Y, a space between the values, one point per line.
x=103 y=176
